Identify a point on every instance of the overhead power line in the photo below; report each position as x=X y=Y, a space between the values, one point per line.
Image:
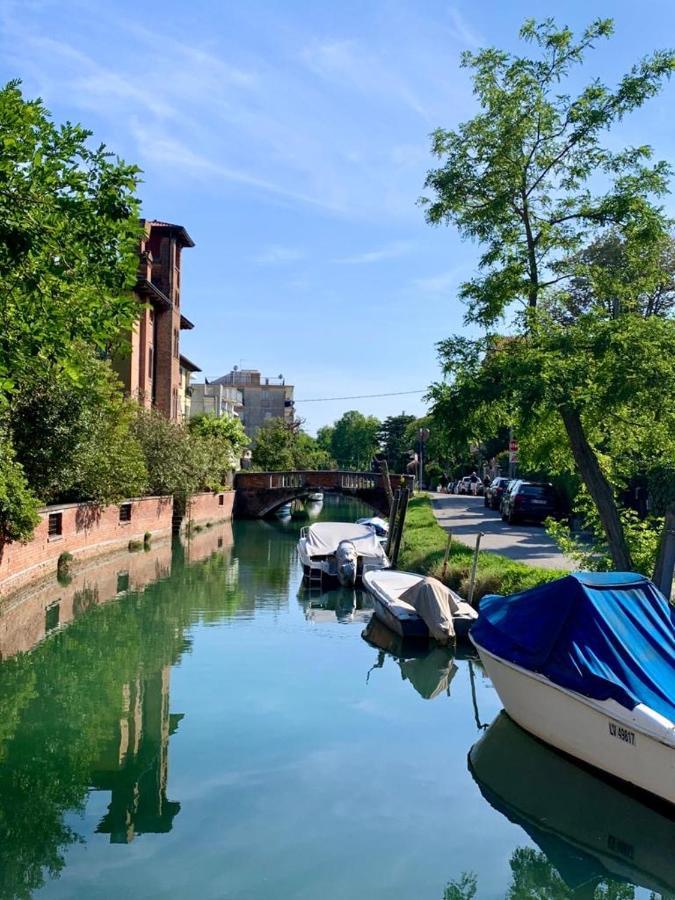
x=360 y=396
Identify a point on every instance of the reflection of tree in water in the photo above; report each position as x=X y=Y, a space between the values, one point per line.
x=89 y=708
x=533 y=877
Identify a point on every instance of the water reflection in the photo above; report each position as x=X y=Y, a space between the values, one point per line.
x=592 y=832
x=343 y=604
x=88 y=709
x=428 y=667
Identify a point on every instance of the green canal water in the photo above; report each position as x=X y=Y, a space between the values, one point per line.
x=187 y=723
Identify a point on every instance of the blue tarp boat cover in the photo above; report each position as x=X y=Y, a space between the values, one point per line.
x=608 y=635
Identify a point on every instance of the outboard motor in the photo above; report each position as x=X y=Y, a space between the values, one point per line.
x=346 y=559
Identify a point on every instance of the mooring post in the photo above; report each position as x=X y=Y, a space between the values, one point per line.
x=386 y=483
x=392 y=521
x=447 y=554
x=474 y=565
x=401 y=513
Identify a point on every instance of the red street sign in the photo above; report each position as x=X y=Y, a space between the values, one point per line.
x=513 y=446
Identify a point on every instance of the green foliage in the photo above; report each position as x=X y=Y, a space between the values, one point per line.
x=423 y=549
x=227 y=428
x=590 y=550
x=464 y=888
x=282 y=447
x=69 y=232
x=528 y=176
x=354 y=440
x=73 y=437
x=18 y=504
x=168 y=453
x=395 y=442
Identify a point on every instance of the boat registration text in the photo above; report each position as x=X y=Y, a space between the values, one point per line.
x=623 y=734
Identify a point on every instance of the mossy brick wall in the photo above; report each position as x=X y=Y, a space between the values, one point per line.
x=210 y=507
x=86 y=530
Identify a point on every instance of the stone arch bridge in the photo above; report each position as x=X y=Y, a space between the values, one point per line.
x=259 y=493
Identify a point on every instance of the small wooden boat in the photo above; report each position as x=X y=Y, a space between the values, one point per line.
x=590 y=828
x=587 y=663
x=441 y=614
x=339 y=550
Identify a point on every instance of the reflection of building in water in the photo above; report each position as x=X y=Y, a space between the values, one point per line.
x=32 y=613
x=135 y=767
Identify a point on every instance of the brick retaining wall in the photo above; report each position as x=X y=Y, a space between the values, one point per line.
x=84 y=530
x=210 y=507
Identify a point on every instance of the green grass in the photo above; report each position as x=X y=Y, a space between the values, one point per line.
x=423 y=548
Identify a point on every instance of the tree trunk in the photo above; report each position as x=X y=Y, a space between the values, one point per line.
x=598 y=487
x=665 y=560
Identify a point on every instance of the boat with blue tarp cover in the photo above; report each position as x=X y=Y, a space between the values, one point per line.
x=587 y=663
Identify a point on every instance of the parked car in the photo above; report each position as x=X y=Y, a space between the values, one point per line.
x=507 y=490
x=463 y=486
x=495 y=491
x=529 y=500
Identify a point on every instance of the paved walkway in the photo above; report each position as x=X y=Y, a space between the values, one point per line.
x=466 y=516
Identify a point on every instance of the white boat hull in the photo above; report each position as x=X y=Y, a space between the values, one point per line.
x=637 y=746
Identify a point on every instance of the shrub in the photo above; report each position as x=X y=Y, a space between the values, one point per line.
x=73 y=436
x=18 y=504
x=63 y=567
x=135 y=546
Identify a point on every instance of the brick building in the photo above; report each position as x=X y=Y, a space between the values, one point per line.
x=151 y=372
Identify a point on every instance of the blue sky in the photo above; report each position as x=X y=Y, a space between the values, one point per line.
x=291 y=140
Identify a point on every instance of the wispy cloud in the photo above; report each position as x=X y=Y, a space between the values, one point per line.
x=392 y=251
x=298 y=117
x=463 y=31
x=276 y=253
x=442 y=283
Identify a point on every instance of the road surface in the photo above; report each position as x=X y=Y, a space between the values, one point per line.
x=466 y=516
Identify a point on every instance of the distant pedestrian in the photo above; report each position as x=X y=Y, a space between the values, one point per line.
x=443 y=483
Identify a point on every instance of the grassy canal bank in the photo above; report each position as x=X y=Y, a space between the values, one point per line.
x=423 y=548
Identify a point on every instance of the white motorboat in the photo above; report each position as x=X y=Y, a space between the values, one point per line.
x=379 y=525
x=587 y=663
x=340 y=550
x=315 y=497
x=417 y=606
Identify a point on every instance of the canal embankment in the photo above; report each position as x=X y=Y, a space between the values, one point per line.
x=76 y=532
x=423 y=550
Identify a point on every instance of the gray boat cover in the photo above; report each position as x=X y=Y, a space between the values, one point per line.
x=324 y=537
x=435 y=604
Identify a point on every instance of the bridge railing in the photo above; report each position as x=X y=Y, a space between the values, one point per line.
x=355 y=481
x=286 y=480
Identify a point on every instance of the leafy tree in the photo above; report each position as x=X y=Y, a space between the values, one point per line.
x=73 y=438
x=394 y=441
x=69 y=231
x=324 y=438
x=281 y=447
x=168 y=454
x=355 y=440
x=217 y=443
x=523 y=177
